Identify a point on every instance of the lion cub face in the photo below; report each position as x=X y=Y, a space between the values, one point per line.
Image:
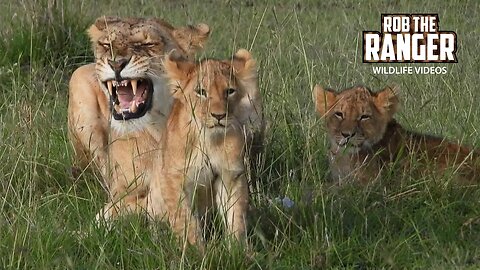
x=212 y=90
x=128 y=59
x=355 y=118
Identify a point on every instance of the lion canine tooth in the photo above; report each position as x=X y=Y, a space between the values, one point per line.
x=118 y=108
x=110 y=85
x=133 y=107
x=134 y=86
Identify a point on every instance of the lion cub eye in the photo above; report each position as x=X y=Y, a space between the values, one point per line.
x=364 y=117
x=201 y=92
x=229 y=92
x=339 y=115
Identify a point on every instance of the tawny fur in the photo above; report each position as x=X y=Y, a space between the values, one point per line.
x=203 y=157
x=365 y=139
x=123 y=150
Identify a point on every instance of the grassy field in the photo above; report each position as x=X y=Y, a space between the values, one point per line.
x=46 y=219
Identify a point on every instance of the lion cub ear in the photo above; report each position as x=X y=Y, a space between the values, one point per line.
x=177 y=67
x=192 y=38
x=244 y=66
x=323 y=99
x=387 y=101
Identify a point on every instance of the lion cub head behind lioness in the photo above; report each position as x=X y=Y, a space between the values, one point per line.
x=216 y=113
x=365 y=139
x=220 y=93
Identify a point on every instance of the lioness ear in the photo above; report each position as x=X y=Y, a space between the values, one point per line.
x=94 y=33
x=323 y=99
x=176 y=66
x=102 y=22
x=244 y=66
x=162 y=23
x=96 y=29
x=387 y=100
x=192 y=38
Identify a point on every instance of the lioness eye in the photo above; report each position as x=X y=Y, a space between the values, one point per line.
x=148 y=45
x=339 y=115
x=230 y=91
x=144 y=45
x=364 y=117
x=104 y=45
x=201 y=92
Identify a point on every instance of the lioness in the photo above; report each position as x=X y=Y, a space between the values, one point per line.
x=216 y=114
x=364 y=138
x=118 y=106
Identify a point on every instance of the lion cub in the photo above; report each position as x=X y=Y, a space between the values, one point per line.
x=364 y=138
x=215 y=115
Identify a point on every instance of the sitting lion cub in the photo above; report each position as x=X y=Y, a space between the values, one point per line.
x=216 y=113
x=364 y=138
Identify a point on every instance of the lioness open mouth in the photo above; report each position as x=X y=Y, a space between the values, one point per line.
x=131 y=98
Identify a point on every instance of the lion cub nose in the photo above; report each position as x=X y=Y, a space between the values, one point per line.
x=348 y=134
x=219 y=116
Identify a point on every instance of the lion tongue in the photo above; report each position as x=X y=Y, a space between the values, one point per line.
x=129 y=101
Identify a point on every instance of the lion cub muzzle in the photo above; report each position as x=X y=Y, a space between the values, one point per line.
x=218 y=119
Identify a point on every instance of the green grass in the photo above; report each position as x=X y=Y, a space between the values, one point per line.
x=46 y=219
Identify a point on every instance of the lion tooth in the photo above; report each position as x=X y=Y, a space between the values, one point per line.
x=134 y=86
x=110 y=87
x=133 y=107
x=118 y=108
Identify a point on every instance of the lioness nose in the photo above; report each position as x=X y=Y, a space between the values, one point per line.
x=219 y=116
x=118 y=66
x=348 y=134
